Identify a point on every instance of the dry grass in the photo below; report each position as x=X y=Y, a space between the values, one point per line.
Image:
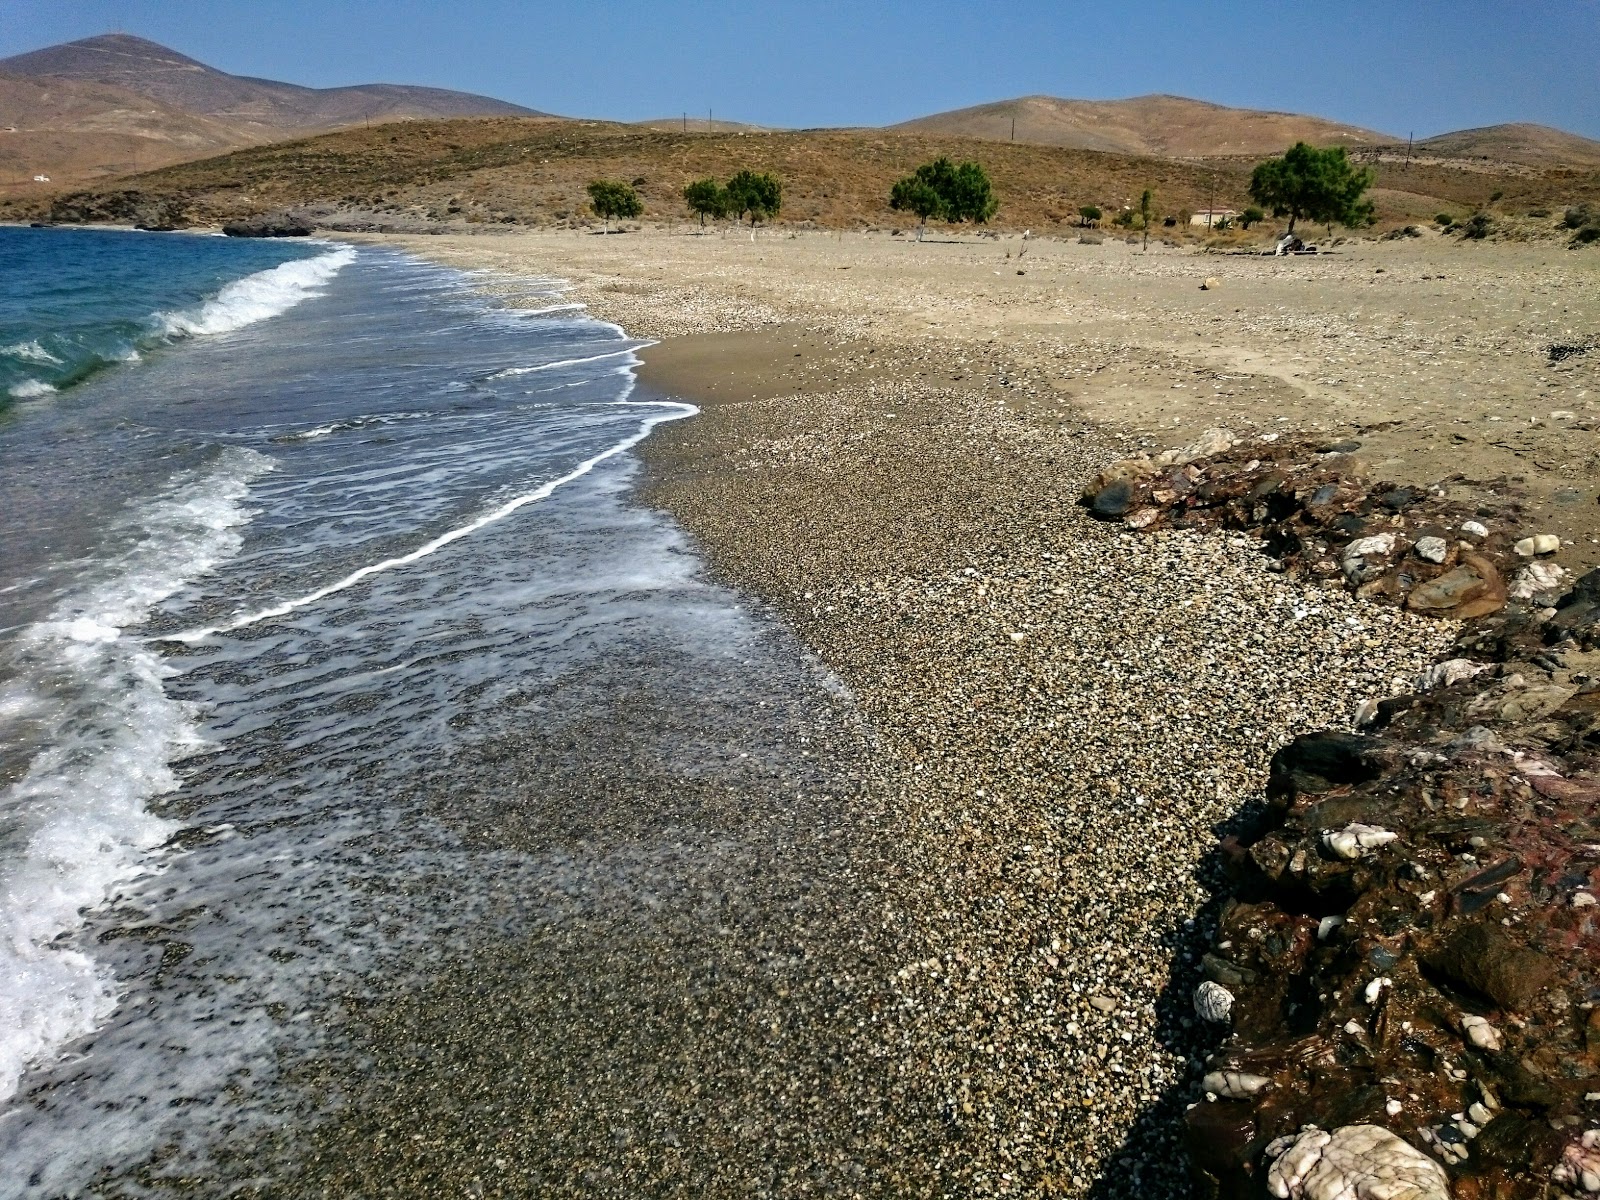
x=534 y=171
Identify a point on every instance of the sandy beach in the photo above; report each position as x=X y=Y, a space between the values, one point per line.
x=1062 y=715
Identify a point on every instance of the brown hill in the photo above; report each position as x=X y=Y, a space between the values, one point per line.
x=1531 y=145
x=184 y=83
x=73 y=129
x=114 y=104
x=1168 y=126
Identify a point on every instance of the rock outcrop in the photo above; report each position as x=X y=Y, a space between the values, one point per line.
x=272 y=226
x=1407 y=955
x=1321 y=516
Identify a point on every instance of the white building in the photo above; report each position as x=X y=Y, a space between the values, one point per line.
x=1212 y=216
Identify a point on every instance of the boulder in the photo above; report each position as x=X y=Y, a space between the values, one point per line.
x=278 y=226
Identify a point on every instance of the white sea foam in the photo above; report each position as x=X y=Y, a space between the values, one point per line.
x=566 y=362
x=76 y=824
x=444 y=539
x=257 y=297
x=30 y=351
x=30 y=389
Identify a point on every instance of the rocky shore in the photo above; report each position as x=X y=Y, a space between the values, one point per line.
x=1405 y=959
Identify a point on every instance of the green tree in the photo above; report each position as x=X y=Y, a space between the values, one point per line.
x=962 y=193
x=760 y=195
x=1089 y=215
x=610 y=198
x=915 y=195
x=1144 y=216
x=1320 y=185
x=706 y=197
x=1251 y=216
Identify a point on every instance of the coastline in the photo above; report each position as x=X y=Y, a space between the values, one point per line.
x=1063 y=713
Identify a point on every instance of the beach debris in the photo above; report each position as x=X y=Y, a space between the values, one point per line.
x=1212 y=1001
x=1211 y=284
x=1355 y=1162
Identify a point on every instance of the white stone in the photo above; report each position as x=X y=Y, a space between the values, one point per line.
x=1235 y=1085
x=1451 y=671
x=1375 y=988
x=1393 y=1107
x=1356 y=567
x=1583 y=900
x=1212 y=1001
x=1356 y=1162
x=1353 y=1028
x=1475 y=529
x=1327 y=925
x=1536 y=579
x=1356 y=840
x=1480 y=1115
x=1539 y=543
x=1432 y=549
x=1480 y=1033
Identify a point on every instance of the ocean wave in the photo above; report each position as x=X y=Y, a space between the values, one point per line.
x=30 y=351
x=29 y=389
x=567 y=362
x=257 y=297
x=542 y=492
x=79 y=815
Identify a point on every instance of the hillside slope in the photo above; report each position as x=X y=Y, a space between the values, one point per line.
x=1531 y=145
x=74 y=129
x=1168 y=126
x=174 y=79
x=535 y=172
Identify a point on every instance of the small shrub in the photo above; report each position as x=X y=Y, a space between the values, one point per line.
x=1445 y=220
x=1577 y=216
x=1538 y=212
x=1478 y=226
x=1090 y=214
x=1589 y=233
x=1251 y=216
x=1169 y=222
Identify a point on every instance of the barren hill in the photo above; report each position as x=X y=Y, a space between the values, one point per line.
x=1531 y=145
x=175 y=79
x=1167 y=126
x=73 y=129
x=112 y=104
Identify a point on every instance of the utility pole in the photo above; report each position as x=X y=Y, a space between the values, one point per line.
x=1211 y=199
x=1409 y=138
x=708 y=121
x=1013 y=129
x=686 y=122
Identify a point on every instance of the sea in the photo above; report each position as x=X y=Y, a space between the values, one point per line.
x=363 y=735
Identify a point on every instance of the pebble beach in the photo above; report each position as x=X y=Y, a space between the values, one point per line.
x=1057 y=717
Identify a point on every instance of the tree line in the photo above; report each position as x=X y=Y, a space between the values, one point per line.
x=1324 y=186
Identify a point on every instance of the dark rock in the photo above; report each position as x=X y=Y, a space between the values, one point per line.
x=1347 y=446
x=1113 y=500
x=1320 y=762
x=282 y=225
x=1482 y=958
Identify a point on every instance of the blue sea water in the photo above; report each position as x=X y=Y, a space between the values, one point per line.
x=292 y=526
x=80 y=300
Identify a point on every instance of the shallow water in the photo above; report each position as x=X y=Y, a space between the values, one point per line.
x=338 y=668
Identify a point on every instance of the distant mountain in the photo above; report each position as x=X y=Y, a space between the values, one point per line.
x=1163 y=126
x=1530 y=145
x=75 y=107
x=72 y=129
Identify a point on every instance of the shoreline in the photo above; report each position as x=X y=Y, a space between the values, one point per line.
x=909 y=504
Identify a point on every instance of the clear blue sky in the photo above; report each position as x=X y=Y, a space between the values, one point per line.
x=1397 y=65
